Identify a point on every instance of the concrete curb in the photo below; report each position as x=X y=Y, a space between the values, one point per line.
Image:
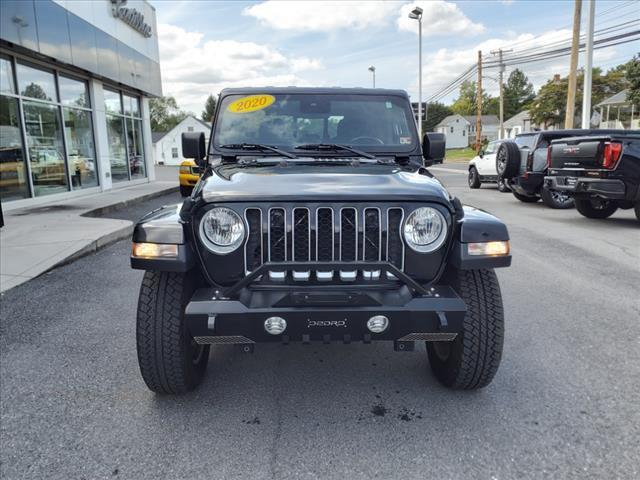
x=114 y=207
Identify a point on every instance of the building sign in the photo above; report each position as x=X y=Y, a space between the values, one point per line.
x=131 y=17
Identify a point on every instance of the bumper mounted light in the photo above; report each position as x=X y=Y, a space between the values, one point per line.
x=491 y=249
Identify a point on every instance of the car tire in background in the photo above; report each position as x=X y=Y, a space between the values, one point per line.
x=170 y=361
x=556 y=199
x=185 y=191
x=474 y=178
x=594 y=208
x=508 y=160
x=502 y=186
x=471 y=360
x=525 y=198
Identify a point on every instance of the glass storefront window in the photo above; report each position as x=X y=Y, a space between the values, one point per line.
x=131 y=106
x=136 y=156
x=73 y=93
x=112 y=102
x=36 y=83
x=80 y=149
x=6 y=76
x=46 y=149
x=13 y=172
x=117 y=148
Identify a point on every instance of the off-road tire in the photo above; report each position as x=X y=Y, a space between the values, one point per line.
x=169 y=360
x=471 y=360
x=554 y=199
x=474 y=178
x=503 y=187
x=525 y=198
x=595 y=208
x=185 y=191
x=508 y=160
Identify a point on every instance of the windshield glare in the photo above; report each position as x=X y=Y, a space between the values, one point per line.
x=368 y=122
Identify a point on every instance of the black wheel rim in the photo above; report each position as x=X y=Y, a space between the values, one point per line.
x=472 y=177
x=560 y=197
x=598 y=204
x=501 y=161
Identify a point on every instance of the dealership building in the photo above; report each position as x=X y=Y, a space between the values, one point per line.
x=75 y=81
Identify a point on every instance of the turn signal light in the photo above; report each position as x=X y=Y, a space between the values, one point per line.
x=489 y=248
x=154 y=250
x=611 y=154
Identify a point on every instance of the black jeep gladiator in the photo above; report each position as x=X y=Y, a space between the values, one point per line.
x=601 y=171
x=315 y=220
x=523 y=164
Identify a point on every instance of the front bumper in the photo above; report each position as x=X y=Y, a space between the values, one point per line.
x=333 y=313
x=188 y=180
x=613 y=189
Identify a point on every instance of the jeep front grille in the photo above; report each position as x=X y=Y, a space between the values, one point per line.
x=324 y=234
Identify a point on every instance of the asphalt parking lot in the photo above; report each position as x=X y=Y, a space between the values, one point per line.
x=564 y=404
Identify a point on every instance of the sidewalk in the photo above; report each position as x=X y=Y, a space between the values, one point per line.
x=36 y=239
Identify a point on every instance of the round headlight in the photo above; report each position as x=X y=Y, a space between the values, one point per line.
x=425 y=229
x=221 y=230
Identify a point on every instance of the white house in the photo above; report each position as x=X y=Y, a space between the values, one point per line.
x=618 y=112
x=456 y=131
x=460 y=131
x=519 y=123
x=167 y=146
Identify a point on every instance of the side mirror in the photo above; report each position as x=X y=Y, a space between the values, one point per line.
x=193 y=146
x=433 y=148
x=481 y=154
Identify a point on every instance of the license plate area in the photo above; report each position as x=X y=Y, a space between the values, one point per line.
x=326 y=299
x=570 y=181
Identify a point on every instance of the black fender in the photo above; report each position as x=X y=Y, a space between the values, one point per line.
x=164 y=226
x=478 y=226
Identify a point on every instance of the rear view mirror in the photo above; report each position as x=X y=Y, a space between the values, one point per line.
x=193 y=146
x=433 y=148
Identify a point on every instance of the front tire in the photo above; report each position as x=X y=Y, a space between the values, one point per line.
x=185 y=191
x=474 y=178
x=595 y=208
x=471 y=360
x=502 y=186
x=556 y=199
x=169 y=359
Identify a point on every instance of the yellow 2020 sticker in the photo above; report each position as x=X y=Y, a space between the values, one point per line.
x=251 y=103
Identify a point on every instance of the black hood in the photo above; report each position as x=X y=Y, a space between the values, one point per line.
x=289 y=182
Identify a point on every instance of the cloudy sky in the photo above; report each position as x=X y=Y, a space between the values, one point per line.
x=208 y=45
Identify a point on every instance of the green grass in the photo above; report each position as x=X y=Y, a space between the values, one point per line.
x=460 y=154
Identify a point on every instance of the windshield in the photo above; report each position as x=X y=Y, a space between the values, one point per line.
x=369 y=122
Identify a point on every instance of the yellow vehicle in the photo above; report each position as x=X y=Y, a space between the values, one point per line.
x=189 y=175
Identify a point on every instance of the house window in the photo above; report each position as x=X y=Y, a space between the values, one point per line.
x=451 y=129
x=189 y=129
x=464 y=133
x=174 y=152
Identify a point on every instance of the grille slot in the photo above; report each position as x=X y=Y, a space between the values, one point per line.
x=253 y=247
x=324 y=234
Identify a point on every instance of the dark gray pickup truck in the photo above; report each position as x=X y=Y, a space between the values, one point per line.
x=601 y=172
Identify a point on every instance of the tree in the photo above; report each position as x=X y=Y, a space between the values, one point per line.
x=466 y=103
x=549 y=105
x=518 y=93
x=209 y=109
x=633 y=76
x=436 y=112
x=165 y=114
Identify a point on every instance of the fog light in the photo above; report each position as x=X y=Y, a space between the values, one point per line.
x=154 y=250
x=275 y=325
x=378 y=324
x=489 y=248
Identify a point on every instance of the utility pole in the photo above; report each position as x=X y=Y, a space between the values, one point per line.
x=479 y=102
x=372 y=69
x=499 y=52
x=575 y=46
x=588 y=68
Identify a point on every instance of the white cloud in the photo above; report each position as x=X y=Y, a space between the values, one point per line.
x=322 y=16
x=438 y=18
x=192 y=68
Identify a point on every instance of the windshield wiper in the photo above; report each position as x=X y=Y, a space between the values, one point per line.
x=332 y=147
x=258 y=147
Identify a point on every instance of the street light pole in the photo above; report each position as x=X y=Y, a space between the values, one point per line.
x=588 y=68
x=416 y=14
x=372 y=69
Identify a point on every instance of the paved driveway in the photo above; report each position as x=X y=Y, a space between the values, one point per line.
x=565 y=402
